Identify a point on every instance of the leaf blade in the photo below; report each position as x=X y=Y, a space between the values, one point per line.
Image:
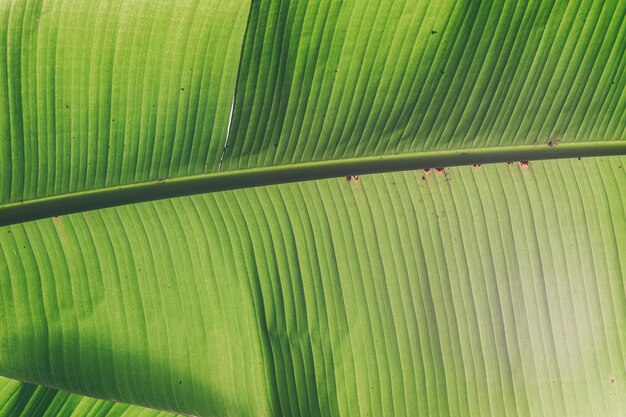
x=19 y=399
x=327 y=80
x=481 y=290
x=116 y=93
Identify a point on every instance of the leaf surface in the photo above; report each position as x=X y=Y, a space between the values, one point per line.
x=492 y=290
x=471 y=290
x=144 y=92
x=95 y=95
x=18 y=399
x=325 y=80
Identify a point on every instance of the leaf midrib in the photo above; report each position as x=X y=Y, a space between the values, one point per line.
x=62 y=204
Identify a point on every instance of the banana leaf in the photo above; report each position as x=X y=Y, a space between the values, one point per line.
x=313 y=208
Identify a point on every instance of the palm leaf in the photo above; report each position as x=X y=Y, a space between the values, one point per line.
x=466 y=290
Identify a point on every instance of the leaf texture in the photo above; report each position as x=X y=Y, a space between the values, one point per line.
x=18 y=399
x=476 y=291
x=98 y=94
x=325 y=79
x=124 y=92
x=487 y=290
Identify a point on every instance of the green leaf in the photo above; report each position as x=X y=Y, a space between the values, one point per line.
x=101 y=94
x=18 y=399
x=470 y=290
x=317 y=81
x=325 y=79
x=492 y=290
